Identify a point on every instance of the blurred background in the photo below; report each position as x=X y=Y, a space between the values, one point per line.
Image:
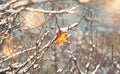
x=27 y=28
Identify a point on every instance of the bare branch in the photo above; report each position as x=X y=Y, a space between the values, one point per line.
x=69 y=11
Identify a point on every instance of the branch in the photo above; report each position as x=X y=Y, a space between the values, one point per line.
x=18 y=53
x=41 y=52
x=94 y=72
x=70 y=27
x=19 y=67
x=70 y=11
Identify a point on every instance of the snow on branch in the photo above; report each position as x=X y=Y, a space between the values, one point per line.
x=69 y=11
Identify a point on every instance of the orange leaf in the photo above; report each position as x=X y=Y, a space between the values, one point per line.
x=61 y=38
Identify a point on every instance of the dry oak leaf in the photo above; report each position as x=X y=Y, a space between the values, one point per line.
x=7 y=47
x=61 y=37
x=34 y=19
